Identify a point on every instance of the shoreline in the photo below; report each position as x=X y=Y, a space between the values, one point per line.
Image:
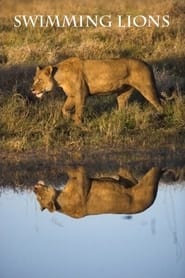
x=90 y=155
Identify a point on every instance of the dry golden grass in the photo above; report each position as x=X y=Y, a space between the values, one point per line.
x=11 y=7
x=48 y=45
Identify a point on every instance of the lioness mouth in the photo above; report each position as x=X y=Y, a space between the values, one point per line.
x=39 y=95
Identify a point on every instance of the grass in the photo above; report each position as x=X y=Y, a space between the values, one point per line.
x=40 y=125
x=27 y=124
x=48 y=45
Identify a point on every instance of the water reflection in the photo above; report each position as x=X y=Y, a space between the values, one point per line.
x=83 y=195
x=37 y=243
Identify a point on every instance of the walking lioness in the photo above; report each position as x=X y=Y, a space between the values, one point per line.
x=81 y=78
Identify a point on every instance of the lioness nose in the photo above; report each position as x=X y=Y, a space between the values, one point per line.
x=32 y=89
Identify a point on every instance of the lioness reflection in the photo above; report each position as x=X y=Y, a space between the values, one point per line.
x=83 y=196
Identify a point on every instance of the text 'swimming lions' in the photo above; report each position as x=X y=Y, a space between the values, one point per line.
x=85 y=21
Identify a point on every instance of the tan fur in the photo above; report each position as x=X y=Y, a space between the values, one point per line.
x=84 y=196
x=81 y=78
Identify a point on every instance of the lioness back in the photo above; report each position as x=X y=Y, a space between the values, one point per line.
x=110 y=75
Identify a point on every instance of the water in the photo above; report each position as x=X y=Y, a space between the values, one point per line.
x=35 y=243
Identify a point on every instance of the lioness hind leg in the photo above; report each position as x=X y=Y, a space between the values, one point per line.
x=68 y=106
x=123 y=98
x=153 y=99
x=151 y=94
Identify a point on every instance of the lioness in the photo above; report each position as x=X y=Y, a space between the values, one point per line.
x=81 y=78
x=82 y=195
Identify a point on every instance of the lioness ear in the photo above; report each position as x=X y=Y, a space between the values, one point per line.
x=41 y=182
x=48 y=70
x=38 y=68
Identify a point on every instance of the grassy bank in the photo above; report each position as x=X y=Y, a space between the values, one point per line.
x=26 y=123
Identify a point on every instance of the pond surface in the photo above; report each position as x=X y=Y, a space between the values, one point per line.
x=35 y=243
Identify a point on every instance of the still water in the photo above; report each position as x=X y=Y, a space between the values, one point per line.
x=149 y=243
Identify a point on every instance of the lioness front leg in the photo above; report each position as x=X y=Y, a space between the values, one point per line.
x=68 y=106
x=123 y=98
x=80 y=99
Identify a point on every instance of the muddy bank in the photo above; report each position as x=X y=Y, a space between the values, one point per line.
x=88 y=156
x=24 y=169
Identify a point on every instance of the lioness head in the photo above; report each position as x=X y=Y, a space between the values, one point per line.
x=45 y=195
x=43 y=81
